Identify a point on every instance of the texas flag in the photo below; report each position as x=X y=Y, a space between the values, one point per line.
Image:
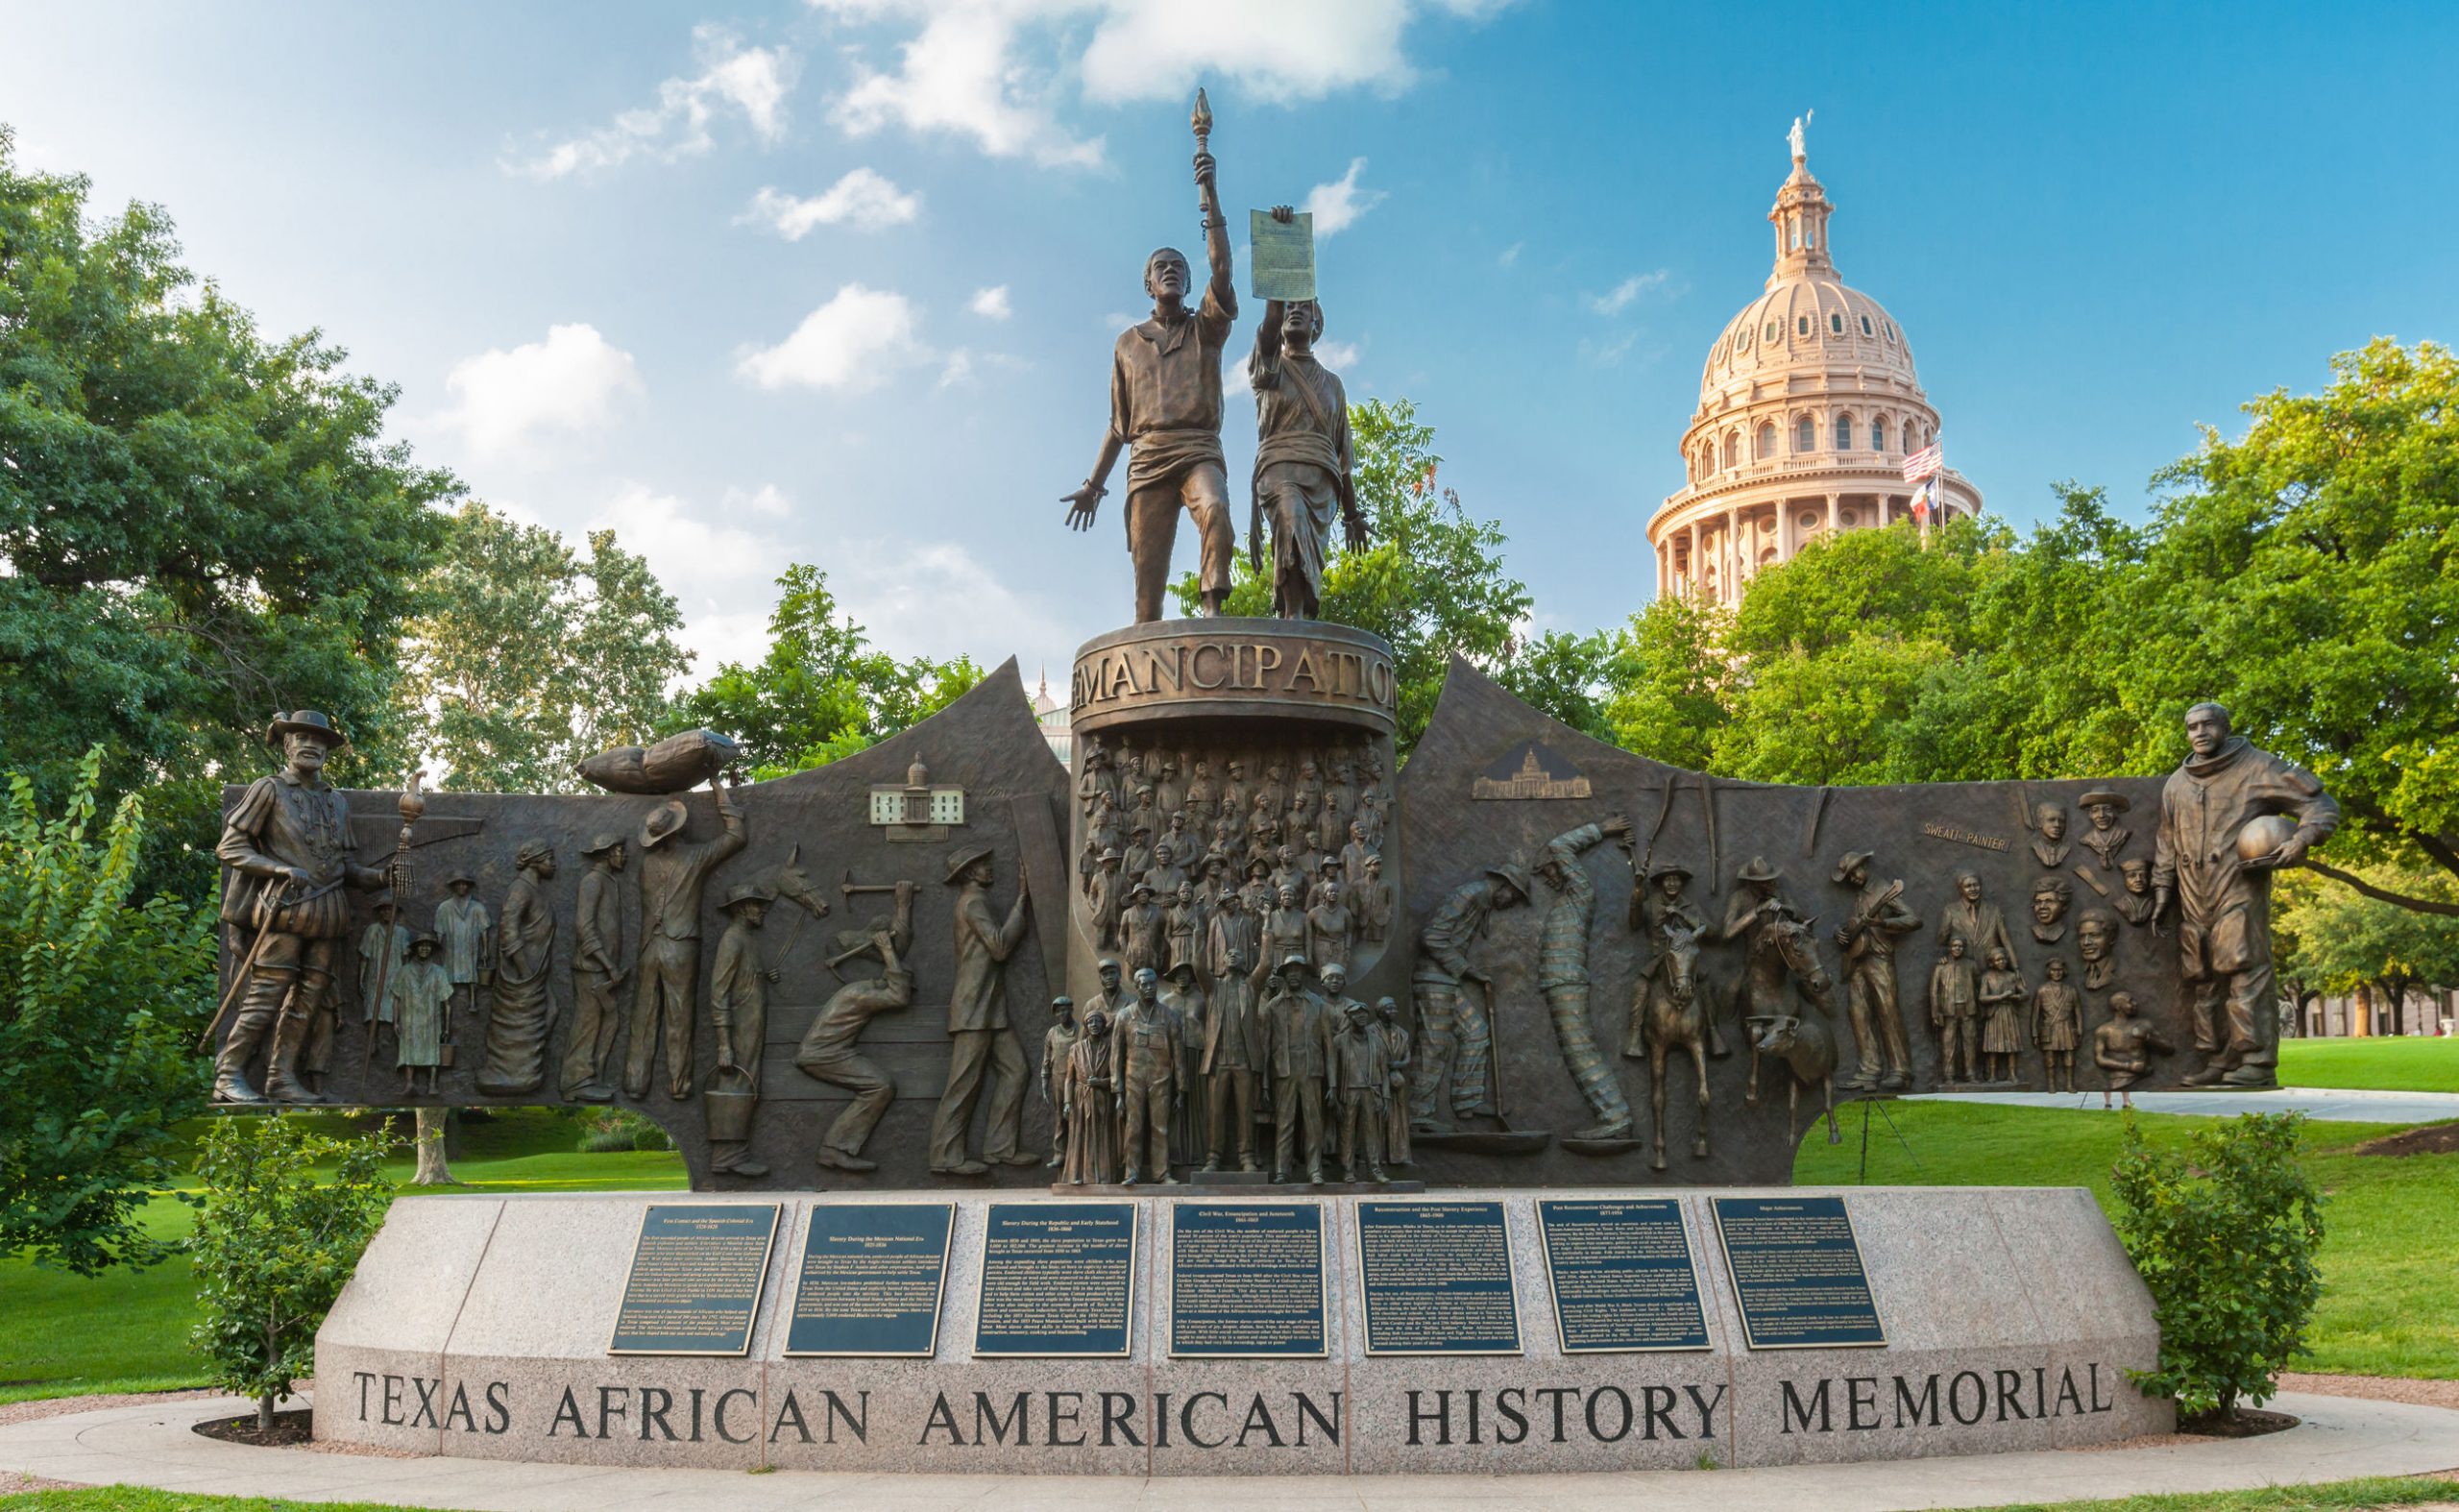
x=1923 y=498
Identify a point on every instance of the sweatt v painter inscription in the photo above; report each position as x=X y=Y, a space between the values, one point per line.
x=1622 y=1276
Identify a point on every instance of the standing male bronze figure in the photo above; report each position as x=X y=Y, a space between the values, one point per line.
x=1867 y=937
x=674 y=873
x=978 y=1036
x=1165 y=406
x=287 y=844
x=2223 y=939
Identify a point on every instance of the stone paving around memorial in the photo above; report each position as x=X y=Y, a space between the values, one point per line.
x=151 y=1444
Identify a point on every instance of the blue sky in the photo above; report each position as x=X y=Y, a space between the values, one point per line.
x=837 y=281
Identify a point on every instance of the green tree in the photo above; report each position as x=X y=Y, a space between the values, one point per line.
x=1664 y=680
x=822 y=692
x=99 y=996
x=2304 y=576
x=199 y=524
x=2225 y=1234
x=525 y=657
x=2341 y=940
x=1432 y=583
x=285 y=1217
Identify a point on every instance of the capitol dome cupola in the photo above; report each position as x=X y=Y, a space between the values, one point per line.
x=1808 y=408
x=1800 y=218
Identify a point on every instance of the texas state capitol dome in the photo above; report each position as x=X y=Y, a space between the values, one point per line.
x=1807 y=408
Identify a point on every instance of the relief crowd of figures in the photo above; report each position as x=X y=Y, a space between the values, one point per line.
x=1294 y=833
x=1223 y=1030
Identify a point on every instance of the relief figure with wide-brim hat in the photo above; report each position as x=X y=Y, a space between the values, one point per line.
x=675 y=875
x=288 y=855
x=981 y=1042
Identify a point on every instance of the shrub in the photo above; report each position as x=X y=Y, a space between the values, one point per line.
x=2225 y=1234
x=274 y=1244
x=99 y=994
x=605 y=1130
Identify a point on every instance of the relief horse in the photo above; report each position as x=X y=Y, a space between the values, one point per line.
x=1670 y=1011
x=1788 y=1002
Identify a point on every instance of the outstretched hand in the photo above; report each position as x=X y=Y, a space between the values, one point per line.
x=1085 y=503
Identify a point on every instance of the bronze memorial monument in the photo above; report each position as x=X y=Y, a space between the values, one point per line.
x=1527 y=981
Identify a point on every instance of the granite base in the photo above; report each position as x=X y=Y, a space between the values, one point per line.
x=479 y=1326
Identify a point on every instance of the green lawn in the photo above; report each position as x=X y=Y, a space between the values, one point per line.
x=126 y=1331
x=2340 y=1495
x=2392 y=1065
x=2390 y=1225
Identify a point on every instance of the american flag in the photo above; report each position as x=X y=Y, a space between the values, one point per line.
x=1928 y=462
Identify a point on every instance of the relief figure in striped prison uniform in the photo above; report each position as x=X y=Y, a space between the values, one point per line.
x=1562 y=976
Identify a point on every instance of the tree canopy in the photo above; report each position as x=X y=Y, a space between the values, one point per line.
x=525 y=656
x=199 y=524
x=100 y=990
x=822 y=692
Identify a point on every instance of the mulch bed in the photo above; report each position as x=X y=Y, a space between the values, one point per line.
x=2423 y=1139
x=289 y=1429
x=2249 y=1423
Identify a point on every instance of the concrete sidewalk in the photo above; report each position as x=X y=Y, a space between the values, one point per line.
x=2336 y=1104
x=153 y=1445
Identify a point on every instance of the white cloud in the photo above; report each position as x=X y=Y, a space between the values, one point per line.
x=864 y=199
x=853 y=343
x=767 y=499
x=958 y=367
x=750 y=82
x=936 y=598
x=991 y=303
x=571 y=382
x=1510 y=254
x=1337 y=205
x=1338 y=355
x=714 y=569
x=1618 y=299
x=991 y=70
x=1279 y=51
x=961 y=74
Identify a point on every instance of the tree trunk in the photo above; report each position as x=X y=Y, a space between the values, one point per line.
x=264 y=1413
x=430 y=1142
